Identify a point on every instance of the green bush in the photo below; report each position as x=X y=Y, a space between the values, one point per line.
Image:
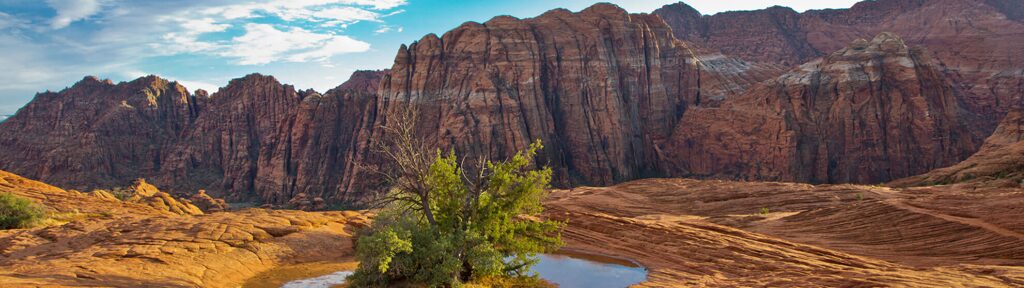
x=17 y=212
x=446 y=227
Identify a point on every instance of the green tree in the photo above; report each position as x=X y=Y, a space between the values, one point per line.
x=444 y=223
x=17 y=212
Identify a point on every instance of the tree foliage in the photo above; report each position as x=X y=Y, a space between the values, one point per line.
x=444 y=223
x=17 y=212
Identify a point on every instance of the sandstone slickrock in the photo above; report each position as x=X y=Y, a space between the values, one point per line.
x=685 y=232
x=871 y=112
x=207 y=203
x=697 y=233
x=978 y=41
x=125 y=244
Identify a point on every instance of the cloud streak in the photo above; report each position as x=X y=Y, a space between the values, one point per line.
x=71 y=10
x=262 y=44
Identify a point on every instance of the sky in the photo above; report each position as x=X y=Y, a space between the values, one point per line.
x=51 y=44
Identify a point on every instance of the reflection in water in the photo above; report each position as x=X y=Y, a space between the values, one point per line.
x=326 y=281
x=566 y=269
x=573 y=269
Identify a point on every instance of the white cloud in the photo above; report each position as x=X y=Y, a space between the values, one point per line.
x=204 y=25
x=308 y=32
x=187 y=40
x=262 y=44
x=196 y=85
x=387 y=28
x=69 y=11
x=344 y=15
x=335 y=45
x=322 y=10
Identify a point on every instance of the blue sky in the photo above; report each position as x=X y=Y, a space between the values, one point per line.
x=50 y=44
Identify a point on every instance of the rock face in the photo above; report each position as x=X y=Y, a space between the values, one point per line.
x=313 y=148
x=96 y=134
x=614 y=97
x=253 y=138
x=874 y=111
x=222 y=149
x=599 y=87
x=1000 y=162
x=977 y=41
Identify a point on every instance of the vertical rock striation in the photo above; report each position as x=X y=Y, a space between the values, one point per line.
x=977 y=42
x=599 y=87
x=97 y=134
x=871 y=112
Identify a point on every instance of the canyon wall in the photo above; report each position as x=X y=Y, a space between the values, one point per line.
x=871 y=112
x=977 y=42
x=614 y=96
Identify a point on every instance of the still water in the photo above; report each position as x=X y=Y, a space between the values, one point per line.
x=576 y=269
x=565 y=269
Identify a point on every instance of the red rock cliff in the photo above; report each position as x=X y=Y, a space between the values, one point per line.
x=599 y=87
x=871 y=112
x=978 y=42
x=96 y=133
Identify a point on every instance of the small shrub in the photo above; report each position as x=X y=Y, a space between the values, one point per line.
x=860 y=197
x=765 y=211
x=1002 y=174
x=122 y=193
x=17 y=212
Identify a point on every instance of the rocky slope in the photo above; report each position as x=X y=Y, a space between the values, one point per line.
x=96 y=133
x=978 y=41
x=874 y=111
x=727 y=234
x=685 y=232
x=1000 y=162
x=111 y=243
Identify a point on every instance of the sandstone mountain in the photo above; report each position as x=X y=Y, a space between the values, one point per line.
x=978 y=42
x=614 y=96
x=599 y=87
x=871 y=112
x=98 y=134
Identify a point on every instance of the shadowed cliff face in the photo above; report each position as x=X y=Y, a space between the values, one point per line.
x=999 y=163
x=871 y=112
x=253 y=138
x=977 y=42
x=96 y=133
x=261 y=139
